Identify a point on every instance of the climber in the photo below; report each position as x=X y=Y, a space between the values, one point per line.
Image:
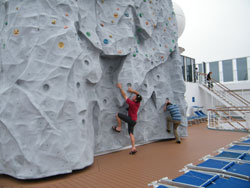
x=175 y=117
x=131 y=118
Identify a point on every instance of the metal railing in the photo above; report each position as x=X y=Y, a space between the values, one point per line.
x=227 y=95
x=226 y=118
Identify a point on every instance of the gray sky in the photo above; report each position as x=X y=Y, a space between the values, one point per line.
x=215 y=29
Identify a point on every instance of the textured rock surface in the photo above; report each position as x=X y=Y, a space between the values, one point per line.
x=59 y=65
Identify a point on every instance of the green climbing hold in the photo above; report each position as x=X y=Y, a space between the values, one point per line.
x=88 y=34
x=134 y=55
x=145 y=0
x=170 y=50
x=139 y=30
x=173 y=41
x=141 y=14
x=6 y=23
x=3 y=46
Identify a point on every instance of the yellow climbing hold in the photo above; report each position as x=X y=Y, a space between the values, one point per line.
x=53 y=22
x=116 y=15
x=110 y=36
x=61 y=45
x=16 y=31
x=169 y=18
x=150 y=1
x=112 y=21
x=102 y=1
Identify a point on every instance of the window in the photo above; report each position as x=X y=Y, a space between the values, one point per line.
x=227 y=67
x=242 y=68
x=189 y=69
x=214 y=67
x=200 y=68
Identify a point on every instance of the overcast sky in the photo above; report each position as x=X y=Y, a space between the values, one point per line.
x=215 y=29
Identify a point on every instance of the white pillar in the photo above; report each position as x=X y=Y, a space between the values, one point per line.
x=220 y=72
x=235 y=75
x=248 y=67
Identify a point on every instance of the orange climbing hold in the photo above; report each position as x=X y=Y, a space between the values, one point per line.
x=116 y=15
x=119 y=51
x=147 y=23
x=61 y=45
x=66 y=14
x=102 y=24
x=65 y=27
x=16 y=31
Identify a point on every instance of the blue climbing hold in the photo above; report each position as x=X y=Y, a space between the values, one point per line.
x=105 y=41
x=126 y=14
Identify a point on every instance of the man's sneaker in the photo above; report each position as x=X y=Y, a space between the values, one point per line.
x=178 y=141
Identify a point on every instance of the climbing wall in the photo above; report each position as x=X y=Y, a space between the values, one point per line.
x=59 y=65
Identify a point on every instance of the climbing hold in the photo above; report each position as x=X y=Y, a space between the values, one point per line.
x=139 y=30
x=118 y=9
x=140 y=14
x=134 y=55
x=61 y=45
x=88 y=34
x=102 y=1
x=145 y=0
x=146 y=22
x=173 y=41
x=3 y=46
x=105 y=41
x=112 y=21
x=166 y=24
x=162 y=57
x=66 y=14
x=17 y=8
x=116 y=15
x=154 y=49
x=65 y=27
x=126 y=14
x=166 y=46
x=160 y=45
x=53 y=22
x=110 y=36
x=165 y=30
x=169 y=18
x=154 y=25
x=6 y=23
x=150 y=1
x=102 y=24
x=16 y=31
x=119 y=51
x=170 y=50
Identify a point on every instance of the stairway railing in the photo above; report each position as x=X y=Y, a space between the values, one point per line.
x=229 y=96
x=225 y=118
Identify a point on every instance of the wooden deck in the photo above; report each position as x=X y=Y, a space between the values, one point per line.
x=151 y=162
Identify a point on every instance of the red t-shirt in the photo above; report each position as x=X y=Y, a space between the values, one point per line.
x=133 y=109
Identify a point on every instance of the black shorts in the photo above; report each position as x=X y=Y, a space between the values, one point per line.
x=127 y=119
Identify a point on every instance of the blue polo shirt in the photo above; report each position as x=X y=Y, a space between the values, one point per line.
x=174 y=112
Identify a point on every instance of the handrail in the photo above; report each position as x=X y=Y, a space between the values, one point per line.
x=227 y=120
x=244 y=101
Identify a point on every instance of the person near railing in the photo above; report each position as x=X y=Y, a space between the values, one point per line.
x=209 y=80
x=175 y=117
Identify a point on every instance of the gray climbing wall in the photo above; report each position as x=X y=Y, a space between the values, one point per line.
x=59 y=65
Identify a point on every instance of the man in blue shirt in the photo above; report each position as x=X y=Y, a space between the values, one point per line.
x=175 y=117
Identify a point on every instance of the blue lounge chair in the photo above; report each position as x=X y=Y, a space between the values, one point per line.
x=194 y=179
x=229 y=168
